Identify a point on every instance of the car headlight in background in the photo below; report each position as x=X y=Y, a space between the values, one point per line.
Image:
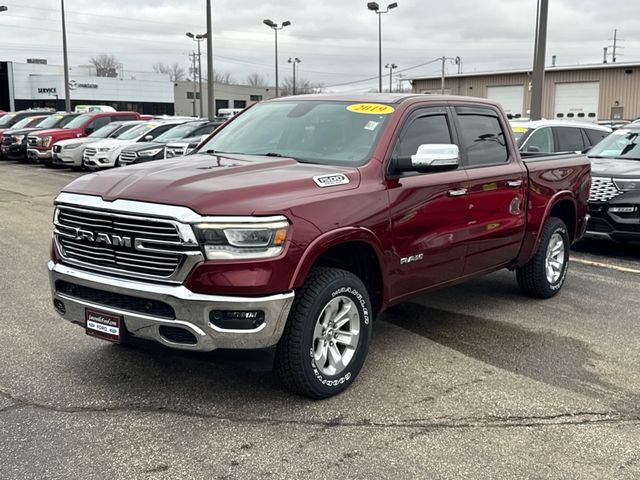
x=18 y=138
x=107 y=149
x=627 y=184
x=71 y=146
x=150 y=153
x=233 y=241
x=46 y=141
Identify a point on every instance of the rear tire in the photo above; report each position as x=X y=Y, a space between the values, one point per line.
x=544 y=275
x=326 y=338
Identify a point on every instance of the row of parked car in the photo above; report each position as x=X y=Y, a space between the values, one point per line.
x=98 y=139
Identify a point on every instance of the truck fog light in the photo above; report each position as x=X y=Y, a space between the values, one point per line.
x=59 y=306
x=236 y=319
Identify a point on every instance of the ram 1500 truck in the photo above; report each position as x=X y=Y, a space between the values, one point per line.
x=301 y=219
x=39 y=144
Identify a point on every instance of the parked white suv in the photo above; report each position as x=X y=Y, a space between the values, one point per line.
x=69 y=152
x=552 y=136
x=105 y=153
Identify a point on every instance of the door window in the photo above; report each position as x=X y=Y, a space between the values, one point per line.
x=424 y=130
x=540 y=141
x=569 y=139
x=595 y=136
x=482 y=138
x=98 y=123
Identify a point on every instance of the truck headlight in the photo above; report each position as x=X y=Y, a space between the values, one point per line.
x=150 y=153
x=627 y=184
x=234 y=241
x=18 y=138
x=46 y=141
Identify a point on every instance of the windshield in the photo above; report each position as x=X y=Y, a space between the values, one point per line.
x=138 y=131
x=519 y=133
x=26 y=122
x=7 y=120
x=106 y=131
x=78 y=121
x=621 y=143
x=331 y=133
x=51 y=121
x=181 y=131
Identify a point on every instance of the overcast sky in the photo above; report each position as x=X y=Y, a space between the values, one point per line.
x=335 y=39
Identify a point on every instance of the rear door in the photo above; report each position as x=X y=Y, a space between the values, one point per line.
x=569 y=139
x=497 y=189
x=428 y=211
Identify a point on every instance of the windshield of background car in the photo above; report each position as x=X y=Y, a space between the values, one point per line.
x=106 y=131
x=519 y=133
x=622 y=143
x=51 y=121
x=26 y=122
x=138 y=131
x=78 y=121
x=7 y=119
x=313 y=131
x=181 y=131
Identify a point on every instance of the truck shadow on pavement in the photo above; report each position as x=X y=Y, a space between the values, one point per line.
x=543 y=356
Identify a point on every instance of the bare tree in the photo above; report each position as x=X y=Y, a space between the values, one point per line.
x=105 y=65
x=302 y=86
x=176 y=72
x=256 y=80
x=222 y=77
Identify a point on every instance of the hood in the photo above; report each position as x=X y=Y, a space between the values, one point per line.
x=188 y=141
x=216 y=185
x=80 y=140
x=21 y=131
x=109 y=143
x=59 y=132
x=615 y=167
x=137 y=147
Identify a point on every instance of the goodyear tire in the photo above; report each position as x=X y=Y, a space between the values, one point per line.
x=544 y=275
x=326 y=338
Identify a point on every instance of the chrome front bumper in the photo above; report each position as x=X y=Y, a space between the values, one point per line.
x=191 y=311
x=39 y=154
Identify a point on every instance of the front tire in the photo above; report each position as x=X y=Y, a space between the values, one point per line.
x=326 y=338
x=544 y=275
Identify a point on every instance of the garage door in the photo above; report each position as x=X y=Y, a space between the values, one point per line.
x=511 y=98
x=577 y=101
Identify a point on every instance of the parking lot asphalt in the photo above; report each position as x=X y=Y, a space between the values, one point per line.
x=476 y=381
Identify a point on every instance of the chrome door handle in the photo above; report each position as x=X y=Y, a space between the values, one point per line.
x=457 y=193
x=514 y=183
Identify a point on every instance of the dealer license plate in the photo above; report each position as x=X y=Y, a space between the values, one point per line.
x=103 y=325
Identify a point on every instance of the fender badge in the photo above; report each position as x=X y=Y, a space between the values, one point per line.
x=331 y=180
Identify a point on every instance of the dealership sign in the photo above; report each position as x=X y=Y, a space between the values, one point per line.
x=73 y=85
x=48 y=91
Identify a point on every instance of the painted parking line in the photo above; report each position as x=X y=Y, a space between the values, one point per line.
x=610 y=266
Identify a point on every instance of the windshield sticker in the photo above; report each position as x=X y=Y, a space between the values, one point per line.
x=519 y=129
x=371 y=108
x=331 y=180
x=371 y=125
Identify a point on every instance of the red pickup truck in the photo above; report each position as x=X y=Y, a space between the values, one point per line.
x=296 y=223
x=39 y=145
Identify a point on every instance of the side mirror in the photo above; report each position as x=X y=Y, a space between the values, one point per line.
x=533 y=149
x=148 y=138
x=586 y=150
x=436 y=157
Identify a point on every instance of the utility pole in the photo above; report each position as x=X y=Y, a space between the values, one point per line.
x=442 y=77
x=211 y=110
x=65 y=61
x=615 y=44
x=194 y=70
x=537 y=78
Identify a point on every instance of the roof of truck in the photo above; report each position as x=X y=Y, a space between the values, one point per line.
x=392 y=98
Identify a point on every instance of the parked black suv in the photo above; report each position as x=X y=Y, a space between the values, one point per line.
x=14 y=141
x=145 y=152
x=614 y=203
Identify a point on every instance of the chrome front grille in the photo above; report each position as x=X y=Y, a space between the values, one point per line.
x=123 y=244
x=603 y=189
x=127 y=157
x=175 y=150
x=57 y=148
x=33 y=141
x=89 y=153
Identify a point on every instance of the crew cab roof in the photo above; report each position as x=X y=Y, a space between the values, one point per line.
x=388 y=98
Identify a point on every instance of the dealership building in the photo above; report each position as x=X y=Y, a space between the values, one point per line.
x=187 y=97
x=38 y=84
x=583 y=92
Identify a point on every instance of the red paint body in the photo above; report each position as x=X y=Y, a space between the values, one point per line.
x=459 y=238
x=58 y=134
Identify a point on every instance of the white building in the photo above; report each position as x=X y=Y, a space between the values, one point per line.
x=225 y=96
x=29 y=85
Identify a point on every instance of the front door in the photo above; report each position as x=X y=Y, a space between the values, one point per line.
x=428 y=211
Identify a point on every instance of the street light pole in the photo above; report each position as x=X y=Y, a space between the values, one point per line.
x=198 y=38
x=294 y=61
x=210 y=98
x=65 y=61
x=273 y=25
x=537 y=78
x=390 y=66
x=375 y=7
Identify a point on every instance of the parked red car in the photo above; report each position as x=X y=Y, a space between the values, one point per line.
x=299 y=220
x=40 y=143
